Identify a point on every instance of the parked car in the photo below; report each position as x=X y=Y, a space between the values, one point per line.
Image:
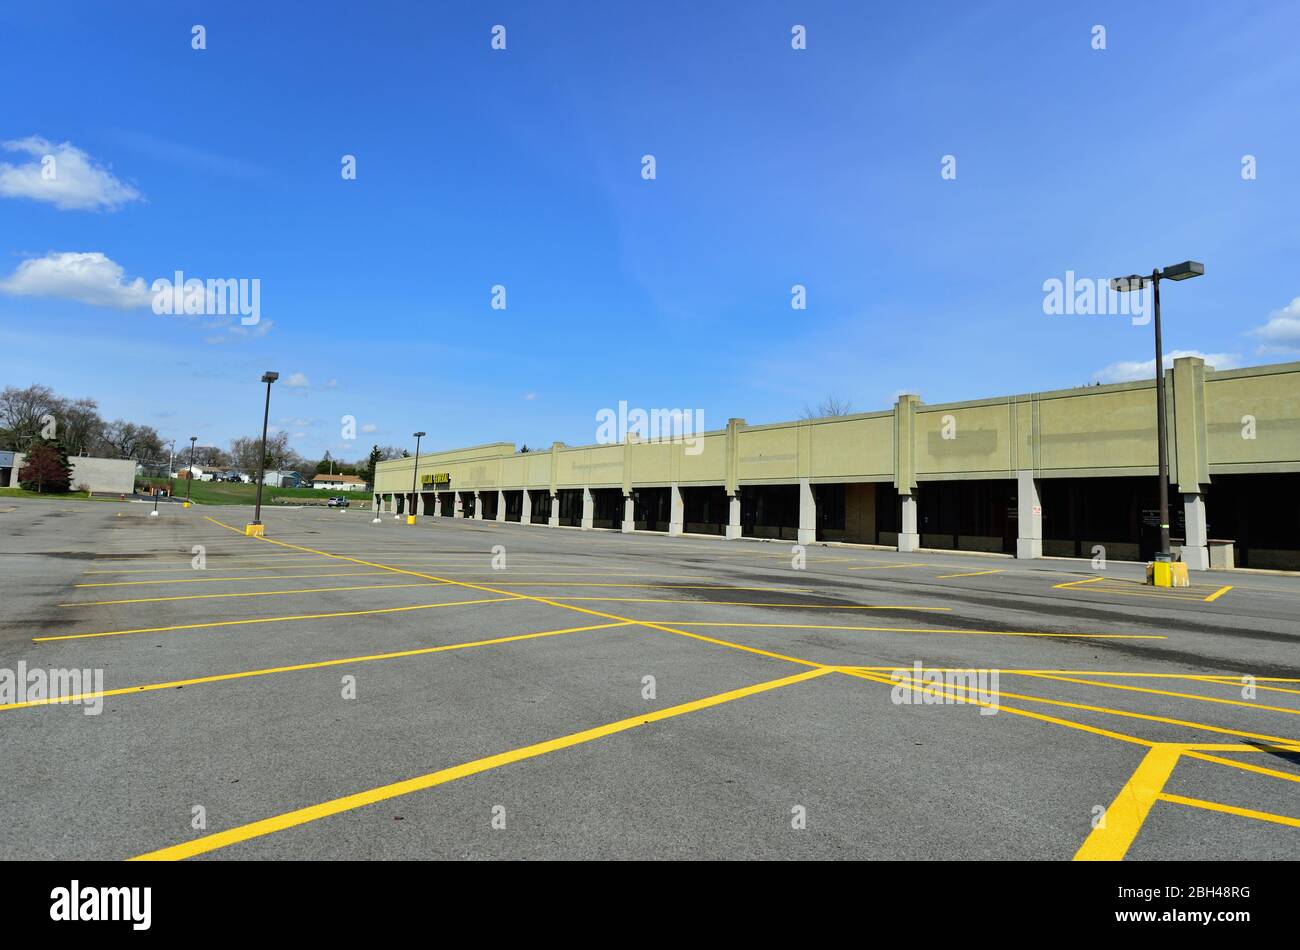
x=338 y=501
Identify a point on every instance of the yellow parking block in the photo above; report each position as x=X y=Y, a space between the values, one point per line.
x=1167 y=574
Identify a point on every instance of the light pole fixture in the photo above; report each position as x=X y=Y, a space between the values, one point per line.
x=193 y=439
x=255 y=529
x=410 y=515
x=1181 y=271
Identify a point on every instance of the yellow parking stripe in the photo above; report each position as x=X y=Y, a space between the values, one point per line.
x=302 y=816
x=1068 y=584
x=536 y=599
x=743 y=603
x=1003 y=708
x=1110 y=840
x=224 y=677
x=1218 y=593
x=1105 y=710
x=984 y=633
x=944 y=577
x=235 y=623
x=1163 y=692
x=252 y=593
x=1229 y=809
x=214 y=580
x=885 y=567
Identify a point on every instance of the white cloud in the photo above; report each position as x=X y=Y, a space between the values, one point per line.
x=1282 y=332
x=237 y=332
x=1128 y=371
x=89 y=277
x=370 y=427
x=530 y=396
x=297 y=380
x=62 y=175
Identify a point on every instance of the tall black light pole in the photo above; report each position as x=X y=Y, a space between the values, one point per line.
x=415 y=468
x=1135 y=282
x=193 y=440
x=267 y=378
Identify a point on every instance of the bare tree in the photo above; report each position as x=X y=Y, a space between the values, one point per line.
x=832 y=405
x=22 y=412
x=80 y=426
x=126 y=440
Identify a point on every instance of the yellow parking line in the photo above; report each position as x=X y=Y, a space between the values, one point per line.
x=984 y=633
x=742 y=603
x=1294 y=746
x=540 y=600
x=223 y=677
x=190 y=569
x=944 y=577
x=1002 y=707
x=1165 y=692
x=235 y=623
x=1198 y=677
x=1111 y=839
x=213 y=580
x=773 y=590
x=885 y=567
x=1218 y=593
x=253 y=593
x=899 y=675
x=301 y=816
x=1087 y=580
x=1230 y=809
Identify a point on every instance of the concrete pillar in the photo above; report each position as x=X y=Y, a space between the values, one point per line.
x=437 y=505
x=501 y=506
x=1029 y=516
x=526 y=512
x=554 y=520
x=588 y=509
x=1196 y=553
x=733 y=517
x=676 y=510
x=908 y=539
x=629 y=514
x=478 y=506
x=807 y=513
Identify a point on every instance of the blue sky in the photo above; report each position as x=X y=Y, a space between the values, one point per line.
x=522 y=167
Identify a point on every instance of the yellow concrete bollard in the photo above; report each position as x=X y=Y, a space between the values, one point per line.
x=254 y=530
x=1168 y=574
x=410 y=519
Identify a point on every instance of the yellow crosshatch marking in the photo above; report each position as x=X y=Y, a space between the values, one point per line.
x=1202 y=593
x=1130 y=811
x=1111 y=839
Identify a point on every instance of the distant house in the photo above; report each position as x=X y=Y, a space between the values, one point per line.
x=339 y=483
x=283 y=478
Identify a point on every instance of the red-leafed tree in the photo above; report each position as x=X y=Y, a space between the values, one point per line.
x=46 y=468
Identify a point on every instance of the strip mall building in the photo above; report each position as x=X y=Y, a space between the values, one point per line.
x=1055 y=473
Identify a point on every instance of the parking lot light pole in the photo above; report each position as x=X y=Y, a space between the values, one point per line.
x=414 y=470
x=1181 y=271
x=267 y=378
x=190 y=481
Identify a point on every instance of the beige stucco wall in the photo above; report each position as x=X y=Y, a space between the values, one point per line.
x=1091 y=431
x=111 y=476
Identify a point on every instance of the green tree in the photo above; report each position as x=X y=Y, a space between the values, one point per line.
x=46 y=468
x=376 y=456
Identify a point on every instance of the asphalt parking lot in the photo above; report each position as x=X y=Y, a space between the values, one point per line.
x=462 y=689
